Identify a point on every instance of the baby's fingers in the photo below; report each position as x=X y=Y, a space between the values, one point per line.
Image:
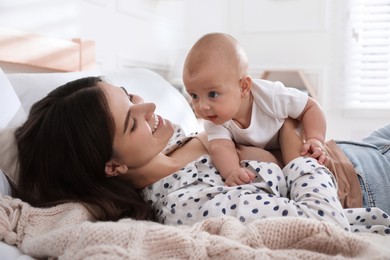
x=320 y=155
x=251 y=175
x=323 y=158
x=305 y=148
x=244 y=177
x=231 y=183
x=317 y=152
x=234 y=179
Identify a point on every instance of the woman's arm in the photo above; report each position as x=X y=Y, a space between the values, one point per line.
x=290 y=140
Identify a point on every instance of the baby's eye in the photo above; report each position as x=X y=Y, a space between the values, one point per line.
x=194 y=96
x=213 y=94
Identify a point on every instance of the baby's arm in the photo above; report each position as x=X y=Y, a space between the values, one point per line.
x=314 y=127
x=225 y=159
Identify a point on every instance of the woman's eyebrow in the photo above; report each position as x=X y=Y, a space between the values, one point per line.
x=126 y=125
x=125 y=90
x=130 y=96
x=127 y=121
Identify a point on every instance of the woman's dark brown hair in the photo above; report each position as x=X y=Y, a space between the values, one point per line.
x=63 y=147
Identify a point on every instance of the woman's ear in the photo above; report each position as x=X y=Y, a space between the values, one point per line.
x=245 y=85
x=114 y=168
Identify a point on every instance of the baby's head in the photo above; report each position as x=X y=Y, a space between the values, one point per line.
x=215 y=75
x=216 y=54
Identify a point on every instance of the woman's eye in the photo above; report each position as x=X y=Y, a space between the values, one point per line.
x=213 y=94
x=134 y=126
x=194 y=96
x=130 y=97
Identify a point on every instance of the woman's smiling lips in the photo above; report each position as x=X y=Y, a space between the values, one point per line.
x=157 y=123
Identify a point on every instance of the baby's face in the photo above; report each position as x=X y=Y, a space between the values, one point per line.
x=215 y=92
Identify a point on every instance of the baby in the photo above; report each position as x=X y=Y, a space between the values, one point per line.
x=242 y=110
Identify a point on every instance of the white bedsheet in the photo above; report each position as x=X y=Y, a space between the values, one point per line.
x=8 y=252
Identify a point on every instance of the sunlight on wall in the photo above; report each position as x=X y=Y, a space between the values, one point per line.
x=155 y=33
x=126 y=32
x=52 y=18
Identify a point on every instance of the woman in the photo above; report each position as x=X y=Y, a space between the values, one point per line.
x=63 y=147
x=91 y=142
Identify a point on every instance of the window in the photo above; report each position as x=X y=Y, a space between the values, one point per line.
x=368 y=55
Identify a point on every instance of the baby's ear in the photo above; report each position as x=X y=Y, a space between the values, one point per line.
x=114 y=168
x=245 y=85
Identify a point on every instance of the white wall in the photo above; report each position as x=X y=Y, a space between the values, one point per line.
x=127 y=32
x=293 y=34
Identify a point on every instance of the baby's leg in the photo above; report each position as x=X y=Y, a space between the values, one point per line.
x=290 y=140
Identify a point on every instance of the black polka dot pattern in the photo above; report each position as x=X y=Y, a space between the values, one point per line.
x=303 y=188
x=372 y=220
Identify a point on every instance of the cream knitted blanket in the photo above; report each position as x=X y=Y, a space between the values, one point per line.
x=68 y=232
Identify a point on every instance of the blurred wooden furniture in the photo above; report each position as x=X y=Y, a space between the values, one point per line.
x=29 y=51
x=291 y=78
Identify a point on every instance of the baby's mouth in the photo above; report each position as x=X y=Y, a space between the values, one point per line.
x=211 y=118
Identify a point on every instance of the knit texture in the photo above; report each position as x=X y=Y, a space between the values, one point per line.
x=68 y=231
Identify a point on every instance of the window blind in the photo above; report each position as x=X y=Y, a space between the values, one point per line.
x=368 y=55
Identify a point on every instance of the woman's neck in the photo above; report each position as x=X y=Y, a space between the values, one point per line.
x=163 y=165
x=155 y=170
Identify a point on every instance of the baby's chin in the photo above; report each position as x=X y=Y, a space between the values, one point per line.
x=213 y=119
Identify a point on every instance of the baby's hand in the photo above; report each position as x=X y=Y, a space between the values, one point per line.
x=239 y=176
x=315 y=149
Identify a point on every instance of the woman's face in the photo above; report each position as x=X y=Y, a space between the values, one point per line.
x=140 y=135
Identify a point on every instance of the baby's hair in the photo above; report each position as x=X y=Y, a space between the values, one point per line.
x=217 y=47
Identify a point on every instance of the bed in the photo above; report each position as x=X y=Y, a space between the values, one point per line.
x=69 y=232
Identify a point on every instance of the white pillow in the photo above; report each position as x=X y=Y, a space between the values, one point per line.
x=31 y=87
x=5 y=188
x=9 y=154
x=170 y=104
x=12 y=112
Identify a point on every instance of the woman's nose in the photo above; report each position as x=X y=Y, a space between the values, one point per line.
x=150 y=106
x=137 y=99
x=149 y=109
x=145 y=108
